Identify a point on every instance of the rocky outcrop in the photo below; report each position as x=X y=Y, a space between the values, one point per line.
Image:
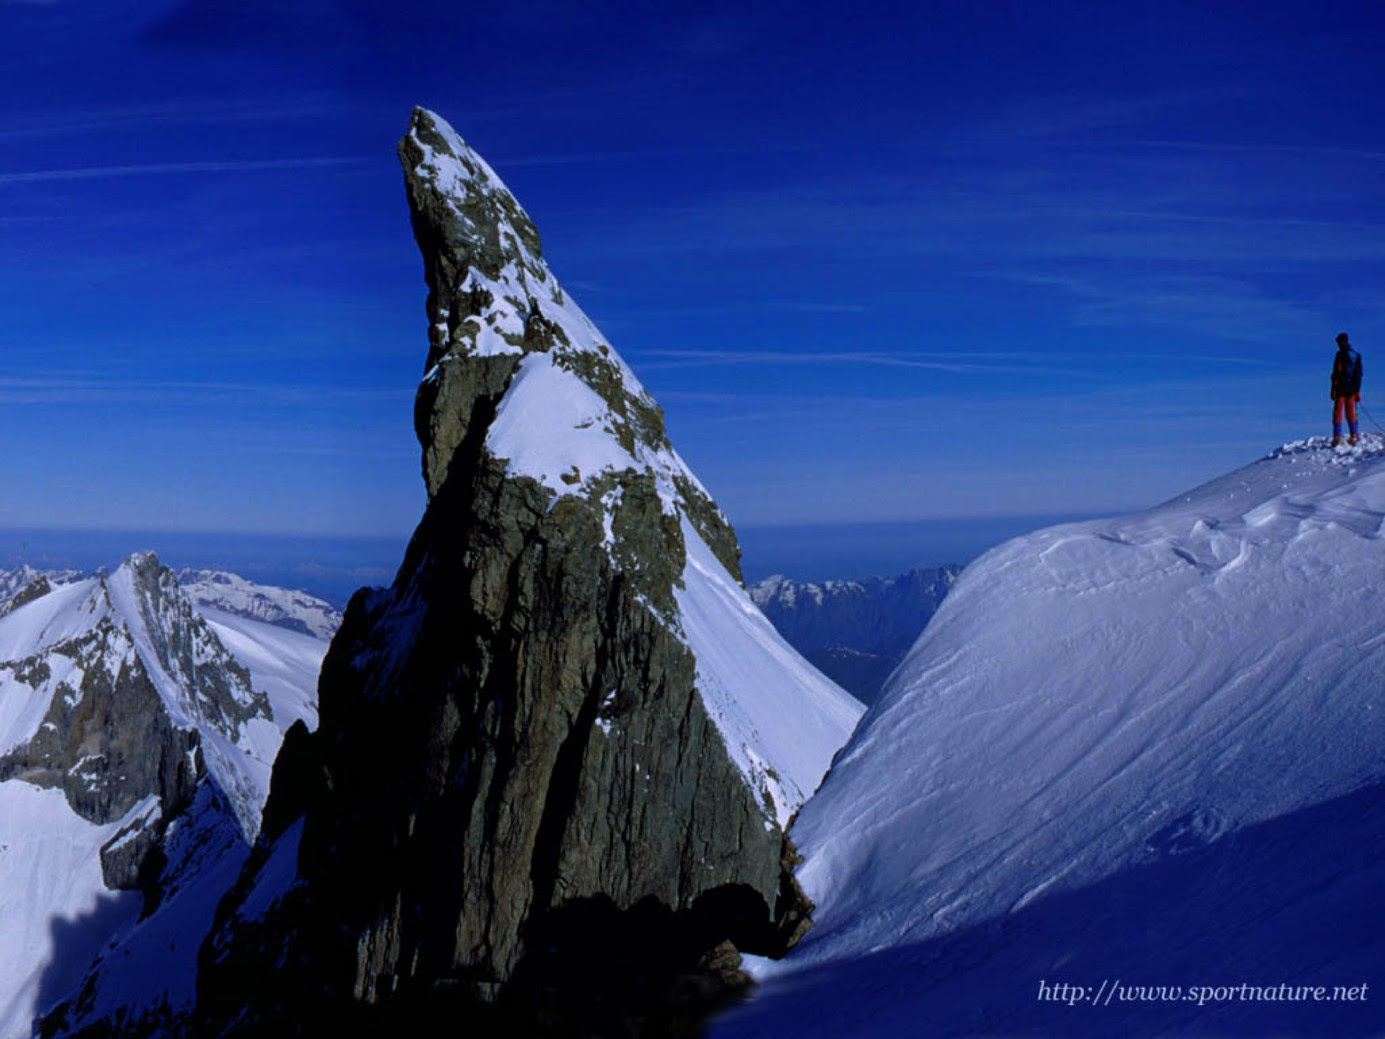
x=550 y=780
x=106 y=740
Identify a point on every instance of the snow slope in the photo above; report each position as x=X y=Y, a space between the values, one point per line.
x=283 y=663
x=149 y=965
x=1148 y=748
x=13 y=582
x=51 y=898
x=782 y=720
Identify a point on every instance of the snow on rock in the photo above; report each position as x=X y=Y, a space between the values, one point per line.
x=781 y=719
x=574 y=417
x=550 y=744
x=149 y=966
x=1152 y=745
x=62 y=614
x=24 y=583
x=554 y=427
x=201 y=685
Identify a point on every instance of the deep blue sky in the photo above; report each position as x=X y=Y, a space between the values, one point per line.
x=879 y=263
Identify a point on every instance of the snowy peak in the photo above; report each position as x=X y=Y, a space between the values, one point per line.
x=115 y=689
x=465 y=203
x=136 y=743
x=510 y=351
x=200 y=681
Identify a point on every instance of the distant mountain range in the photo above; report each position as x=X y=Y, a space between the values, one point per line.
x=855 y=632
x=228 y=593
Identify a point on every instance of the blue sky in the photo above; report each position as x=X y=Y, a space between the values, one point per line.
x=884 y=264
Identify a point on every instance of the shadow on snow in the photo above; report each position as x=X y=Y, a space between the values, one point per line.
x=1295 y=900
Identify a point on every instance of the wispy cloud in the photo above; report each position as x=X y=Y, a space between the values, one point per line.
x=717 y=36
x=1261 y=148
x=1076 y=115
x=1210 y=240
x=1228 y=307
x=168 y=168
x=744 y=306
x=123 y=119
x=967 y=364
x=822 y=308
x=69 y=389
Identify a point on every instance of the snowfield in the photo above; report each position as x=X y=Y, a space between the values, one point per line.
x=1141 y=751
x=52 y=899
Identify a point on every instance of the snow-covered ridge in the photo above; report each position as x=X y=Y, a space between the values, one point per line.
x=1097 y=698
x=212 y=668
x=233 y=594
x=855 y=631
x=873 y=614
x=108 y=628
x=784 y=590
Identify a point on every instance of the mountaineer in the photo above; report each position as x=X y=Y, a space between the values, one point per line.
x=1346 y=388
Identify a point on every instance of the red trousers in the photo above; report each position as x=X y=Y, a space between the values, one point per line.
x=1338 y=403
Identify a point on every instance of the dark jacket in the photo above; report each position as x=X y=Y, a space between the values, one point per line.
x=1346 y=373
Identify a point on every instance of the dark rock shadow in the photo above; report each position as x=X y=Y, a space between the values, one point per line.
x=76 y=943
x=1297 y=901
x=593 y=969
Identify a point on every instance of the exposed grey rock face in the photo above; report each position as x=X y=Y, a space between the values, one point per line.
x=856 y=632
x=107 y=742
x=519 y=798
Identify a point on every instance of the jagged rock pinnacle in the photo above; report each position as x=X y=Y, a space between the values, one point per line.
x=564 y=733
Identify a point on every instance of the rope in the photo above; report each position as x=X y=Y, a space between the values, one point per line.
x=1368 y=415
